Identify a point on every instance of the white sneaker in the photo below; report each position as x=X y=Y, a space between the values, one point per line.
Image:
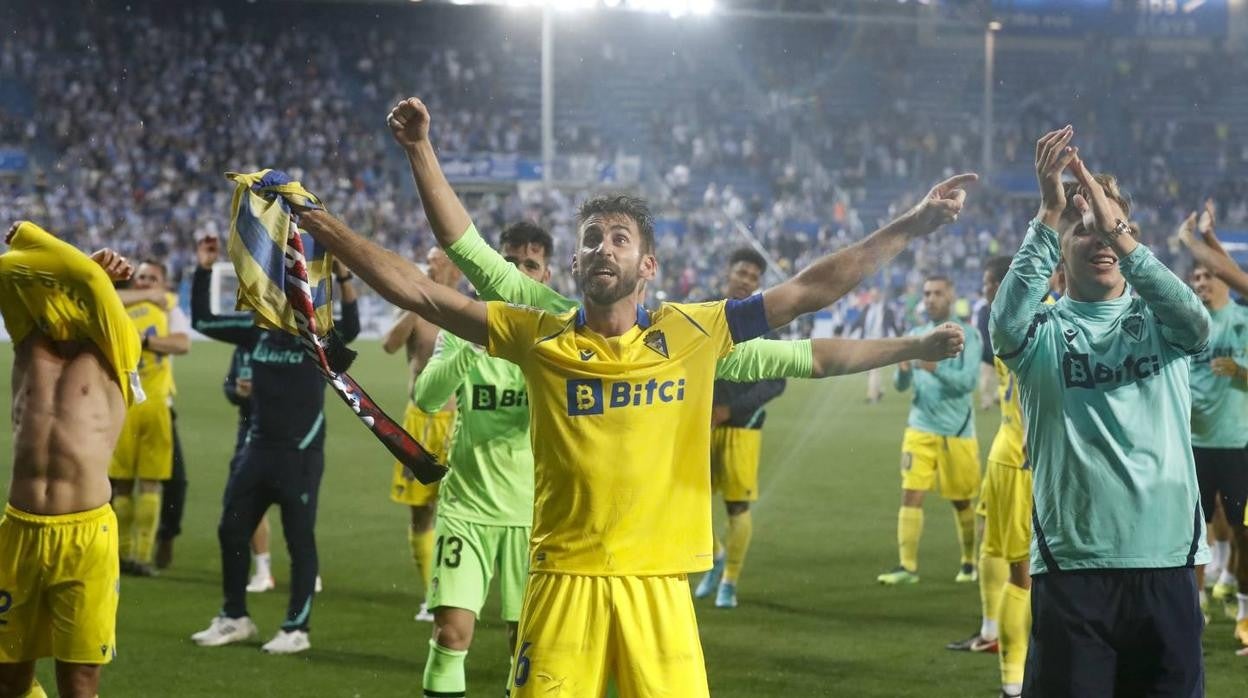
x=317 y=589
x=260 y=583
x=226 y=631
x=287 y=642
x=423 y=615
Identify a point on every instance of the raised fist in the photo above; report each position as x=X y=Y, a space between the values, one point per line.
x=943 y=342
x=207 y=251
x=409 y=122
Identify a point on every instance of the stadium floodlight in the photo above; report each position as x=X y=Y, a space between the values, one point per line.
x=701 y=7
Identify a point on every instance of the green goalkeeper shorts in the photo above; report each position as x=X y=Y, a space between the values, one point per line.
x=465 y=557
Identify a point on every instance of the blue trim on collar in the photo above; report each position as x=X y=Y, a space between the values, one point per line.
x=643 y=317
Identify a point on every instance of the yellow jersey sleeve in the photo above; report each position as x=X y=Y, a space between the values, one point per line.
x=514 y=329
x=1007 y=445
x=49 y=285
x=155 y=370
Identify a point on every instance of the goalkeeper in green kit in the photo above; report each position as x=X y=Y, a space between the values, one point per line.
x=486 y=501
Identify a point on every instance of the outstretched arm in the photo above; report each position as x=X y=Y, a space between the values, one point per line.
x=397 y=279
x=409 y=124
x=836 y=357
x=832 y=276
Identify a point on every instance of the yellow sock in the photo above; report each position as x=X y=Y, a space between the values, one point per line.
x=1015 y=618
x=966 y=533
x=36 y=691
x=146 y=521
x=719 y=548
x=994 y=572
x=740 y=530
x=421 y=543
x=123 y=507
x=909 y=531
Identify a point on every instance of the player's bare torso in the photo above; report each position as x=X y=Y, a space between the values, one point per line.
x=67 y=415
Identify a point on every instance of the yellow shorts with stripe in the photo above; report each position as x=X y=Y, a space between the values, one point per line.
x=433 y=431
x=50 y=286
x=734 y=462
x=145 y=447
x=59 y=578
x=577 y=631
x=1006 y=498
x=949 y=464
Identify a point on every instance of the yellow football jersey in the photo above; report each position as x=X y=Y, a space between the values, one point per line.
x=155 y=370
x=621 y=433
x=49 y=285
x=1007 y=445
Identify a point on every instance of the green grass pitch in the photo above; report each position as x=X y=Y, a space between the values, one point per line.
x=812 y=620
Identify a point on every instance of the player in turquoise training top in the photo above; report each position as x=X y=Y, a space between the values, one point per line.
x=1219 y=405
x=939 y=449
x=1103 y=379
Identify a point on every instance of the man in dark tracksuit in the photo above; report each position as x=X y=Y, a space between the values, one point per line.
x=736 y=442
x=281 y=461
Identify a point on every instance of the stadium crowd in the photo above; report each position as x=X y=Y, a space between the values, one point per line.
x=141 y=164
x=137 y=115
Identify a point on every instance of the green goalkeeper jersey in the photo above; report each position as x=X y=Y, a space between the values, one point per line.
x=496 y=279
x=1220 y=403
x=1104 y=389
x=490 y=457
x=943 y=398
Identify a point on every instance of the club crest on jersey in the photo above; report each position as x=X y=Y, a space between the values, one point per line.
x=1133 y=325
x=656 y=341
x=588 y=396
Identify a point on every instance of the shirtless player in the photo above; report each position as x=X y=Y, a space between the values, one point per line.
x=76 y=353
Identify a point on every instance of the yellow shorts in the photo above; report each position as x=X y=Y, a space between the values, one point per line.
x=1007 y=498
x=59 y=578
x=734 y=462
x=50 y=286
x=433 y=431
x=577 y=631
x=145 y=447
x=949 y=464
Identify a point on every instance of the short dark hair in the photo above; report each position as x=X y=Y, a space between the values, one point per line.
x=997 y=267
x=941 y=278
x=526 y=233
x=749 y=255
x=622 y=204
